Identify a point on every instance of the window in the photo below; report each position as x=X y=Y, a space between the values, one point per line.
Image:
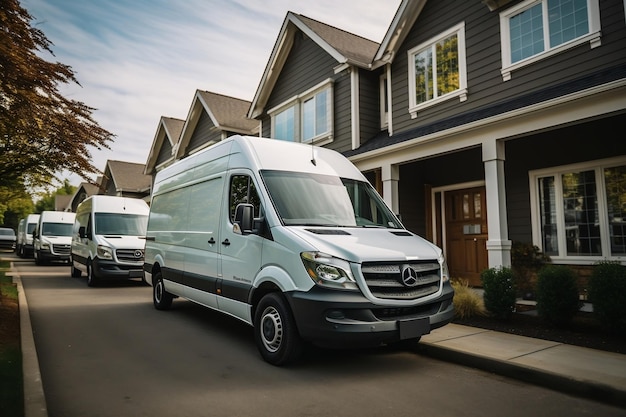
x=242 y=190
x=437 y=70
x=305 y=118
x=535 y=29
x=580 y=211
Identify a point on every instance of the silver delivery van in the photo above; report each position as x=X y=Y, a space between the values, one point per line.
x=52 y=238
x=109 y=238
x=294 y=241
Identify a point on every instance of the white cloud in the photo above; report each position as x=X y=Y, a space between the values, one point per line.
x=139 y=60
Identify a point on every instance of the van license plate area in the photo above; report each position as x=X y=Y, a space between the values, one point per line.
x=412 y=328
x=135 y=274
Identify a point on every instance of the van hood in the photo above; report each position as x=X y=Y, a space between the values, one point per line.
x=368 y=244
x=123 y=242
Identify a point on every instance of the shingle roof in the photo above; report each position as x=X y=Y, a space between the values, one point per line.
x=229 y=112
x=174 y=127
x=355 y=48
x=128 y=176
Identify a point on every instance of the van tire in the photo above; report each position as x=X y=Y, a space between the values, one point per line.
x=75 y=272
x=161 y=299
x=275 y=331
x=91 y=278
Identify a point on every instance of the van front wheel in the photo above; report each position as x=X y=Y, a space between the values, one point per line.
x=161 y=299
x=275 y=331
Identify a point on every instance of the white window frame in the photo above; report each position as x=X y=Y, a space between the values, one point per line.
x=593 y=36
x=598 y=167
x=383 y=86
x=461 y=92
x=298 y=102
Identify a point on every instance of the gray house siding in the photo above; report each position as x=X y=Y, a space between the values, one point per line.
x=485 y=83
x=369 y=101
x=165 y=153
x=306 y=66
x=204 y=132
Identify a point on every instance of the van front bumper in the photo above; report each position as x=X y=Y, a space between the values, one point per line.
x=104 y=269
x=345 y=319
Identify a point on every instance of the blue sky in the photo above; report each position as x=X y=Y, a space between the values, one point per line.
x=138 y=60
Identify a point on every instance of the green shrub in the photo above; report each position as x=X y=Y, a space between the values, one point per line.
x=607 y=292
x=467 y=302
x=526 y=261
x=499 y=295
x=557 y=294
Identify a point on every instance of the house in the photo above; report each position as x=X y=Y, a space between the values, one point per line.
x=84 y=190
x=125 y=179
x=483 y=123
x=212 y=117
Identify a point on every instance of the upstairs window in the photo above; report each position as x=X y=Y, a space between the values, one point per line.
x=538 y=28
x=307 y=117
x=437 y=70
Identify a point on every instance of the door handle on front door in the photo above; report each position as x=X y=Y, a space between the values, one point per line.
x=211 y=241
x=226 y=242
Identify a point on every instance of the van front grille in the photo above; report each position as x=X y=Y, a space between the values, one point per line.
x=402 y=280
x=129 y=255
x=61 y=249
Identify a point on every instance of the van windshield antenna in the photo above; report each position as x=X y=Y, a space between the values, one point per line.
x=313 y=161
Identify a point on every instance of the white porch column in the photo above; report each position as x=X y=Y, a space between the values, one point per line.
x=390 y=175
x=498 y=243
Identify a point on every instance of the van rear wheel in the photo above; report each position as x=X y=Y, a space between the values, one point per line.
x=161 y=299
x=275 y=331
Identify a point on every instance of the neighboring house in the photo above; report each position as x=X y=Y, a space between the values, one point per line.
x=62 y=202
x=83 y=191
x=483 y=123
x=212 y=117
x=125 y=179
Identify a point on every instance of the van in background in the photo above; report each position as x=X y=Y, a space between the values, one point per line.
x=293 y=240
x=52 y=238
x=25 y=229
x=108 y=239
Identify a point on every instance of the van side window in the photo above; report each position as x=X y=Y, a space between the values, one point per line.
x=242 y=190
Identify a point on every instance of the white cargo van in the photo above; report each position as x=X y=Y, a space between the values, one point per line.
x=25 y=229
x=294 y=241
x=109 y=238
x=52 y=238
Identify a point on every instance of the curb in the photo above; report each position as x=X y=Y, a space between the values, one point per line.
x=34 y=398
x=587 y=389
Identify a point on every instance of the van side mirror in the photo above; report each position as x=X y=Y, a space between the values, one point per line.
x=81 y=232
x=244 y=219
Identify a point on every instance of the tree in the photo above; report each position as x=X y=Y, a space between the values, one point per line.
x=48 y=200
x=41 y=132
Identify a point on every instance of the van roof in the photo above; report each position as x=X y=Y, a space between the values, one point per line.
x=258 y=153
x=115 y=204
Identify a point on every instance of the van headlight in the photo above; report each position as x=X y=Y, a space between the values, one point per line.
x=104 y=252
x=445 y=274
x=327 y=271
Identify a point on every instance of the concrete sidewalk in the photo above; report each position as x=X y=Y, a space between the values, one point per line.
x=589 y=373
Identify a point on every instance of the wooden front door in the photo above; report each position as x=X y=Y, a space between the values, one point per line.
x=466 y=234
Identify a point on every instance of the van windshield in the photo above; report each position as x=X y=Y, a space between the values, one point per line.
x=57 y=229
x=121 y=224
x=304 y=199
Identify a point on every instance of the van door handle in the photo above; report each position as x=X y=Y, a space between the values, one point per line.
x=226 y=242
x=211 y=241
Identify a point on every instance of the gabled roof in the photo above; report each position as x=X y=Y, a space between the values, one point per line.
x=169 y=129
x=226 y=113
x=126 y=176
x=344 y=47
x=84 y=190
x=402 y=23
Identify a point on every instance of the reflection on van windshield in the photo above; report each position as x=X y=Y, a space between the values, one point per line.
x=121 y=224
x=57 y=229
x=324 y=200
